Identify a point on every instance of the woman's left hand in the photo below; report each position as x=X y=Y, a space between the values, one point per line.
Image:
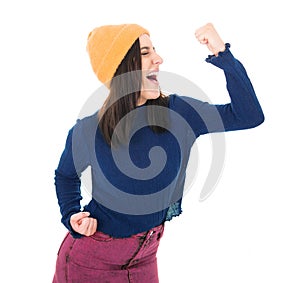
x=208 y=35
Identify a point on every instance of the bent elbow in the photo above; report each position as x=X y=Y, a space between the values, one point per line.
x=258 y=120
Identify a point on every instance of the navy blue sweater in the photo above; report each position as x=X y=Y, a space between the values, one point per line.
x=138 y=186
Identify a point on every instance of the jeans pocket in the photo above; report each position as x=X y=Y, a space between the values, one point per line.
x=80 y=274
x=101 y=237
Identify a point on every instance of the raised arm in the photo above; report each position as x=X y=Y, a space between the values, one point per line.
x=243 y=111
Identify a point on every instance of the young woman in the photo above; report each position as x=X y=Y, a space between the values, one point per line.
x=137 y=146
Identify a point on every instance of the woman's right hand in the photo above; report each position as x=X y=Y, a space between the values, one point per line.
x=83 y=224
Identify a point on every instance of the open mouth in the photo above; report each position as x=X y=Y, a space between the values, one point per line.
x=152 y=77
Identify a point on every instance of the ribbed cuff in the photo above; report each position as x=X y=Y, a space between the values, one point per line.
x=210 y=58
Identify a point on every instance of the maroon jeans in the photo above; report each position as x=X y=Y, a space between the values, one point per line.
x=103 y=259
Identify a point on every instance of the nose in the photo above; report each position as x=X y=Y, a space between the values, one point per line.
x=157 y=60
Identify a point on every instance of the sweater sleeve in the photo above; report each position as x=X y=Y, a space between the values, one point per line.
x=73 y=161
x=243 y=111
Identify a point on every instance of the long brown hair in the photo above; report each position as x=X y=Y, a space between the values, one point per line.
x=125 y=88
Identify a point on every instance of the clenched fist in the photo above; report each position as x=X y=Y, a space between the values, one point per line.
x=83 y=224
x=208 y=35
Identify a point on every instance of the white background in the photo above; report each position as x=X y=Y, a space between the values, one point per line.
x=248 y=229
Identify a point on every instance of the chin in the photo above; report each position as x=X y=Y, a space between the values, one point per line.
x=151 y=94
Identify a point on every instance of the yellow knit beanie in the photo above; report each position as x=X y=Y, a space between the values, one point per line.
x=108 y=45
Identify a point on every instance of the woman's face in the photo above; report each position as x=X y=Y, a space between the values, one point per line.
x=150 y=68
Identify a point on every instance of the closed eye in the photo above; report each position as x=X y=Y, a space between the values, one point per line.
x=145 y=50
